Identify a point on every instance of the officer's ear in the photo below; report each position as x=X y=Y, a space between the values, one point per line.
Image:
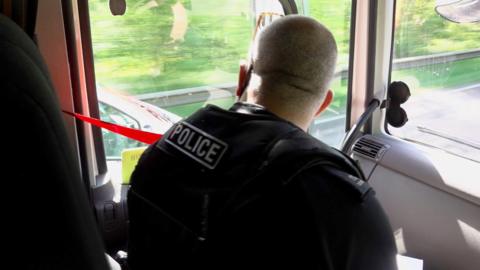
x=242 y=79
x=326 y=102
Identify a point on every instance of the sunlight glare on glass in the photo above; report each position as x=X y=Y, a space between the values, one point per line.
x=268 y=6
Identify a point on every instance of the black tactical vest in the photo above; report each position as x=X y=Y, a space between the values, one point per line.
x=212 y=171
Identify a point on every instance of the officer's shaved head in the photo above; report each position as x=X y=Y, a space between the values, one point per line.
x=295 y=58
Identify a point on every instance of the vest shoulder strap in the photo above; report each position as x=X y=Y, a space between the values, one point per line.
x=288 y=157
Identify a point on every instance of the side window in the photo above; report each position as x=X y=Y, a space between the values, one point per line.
x=163 y=60
x=335 y=15
x=440 y=61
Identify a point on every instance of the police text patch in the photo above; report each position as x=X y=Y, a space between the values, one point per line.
x=197 y=144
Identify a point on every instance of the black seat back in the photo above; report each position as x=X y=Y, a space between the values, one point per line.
x=49 y=224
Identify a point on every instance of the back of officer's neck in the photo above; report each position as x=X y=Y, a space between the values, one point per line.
x=297 y=118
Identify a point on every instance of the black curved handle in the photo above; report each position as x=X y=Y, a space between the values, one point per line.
x=351 y=135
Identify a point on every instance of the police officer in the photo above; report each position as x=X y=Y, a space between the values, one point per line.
x=248 y=188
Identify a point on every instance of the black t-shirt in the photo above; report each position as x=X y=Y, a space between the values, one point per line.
x=321 y=219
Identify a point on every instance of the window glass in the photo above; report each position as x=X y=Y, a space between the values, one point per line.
x=440 y=61
x=163 y=60
x=160 y=47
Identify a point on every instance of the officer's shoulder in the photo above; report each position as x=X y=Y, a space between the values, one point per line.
x=338 y=183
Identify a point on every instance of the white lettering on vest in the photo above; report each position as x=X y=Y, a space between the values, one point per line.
x=212 y=152
x=197 y=144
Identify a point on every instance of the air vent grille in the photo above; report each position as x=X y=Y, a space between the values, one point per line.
x=369 y=148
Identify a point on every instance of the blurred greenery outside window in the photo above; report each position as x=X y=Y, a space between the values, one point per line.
x=171 y=50
x=182 y=54
x=440 y=61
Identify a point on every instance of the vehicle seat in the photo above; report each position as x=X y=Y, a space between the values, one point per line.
x=49 y=223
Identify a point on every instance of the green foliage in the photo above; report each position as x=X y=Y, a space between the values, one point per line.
x=419 y=30
x=440 y=76
x=137 y=53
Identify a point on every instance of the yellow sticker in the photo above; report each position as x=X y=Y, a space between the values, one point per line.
x=130 y=159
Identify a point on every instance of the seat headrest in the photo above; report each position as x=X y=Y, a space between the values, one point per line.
x=49 y=221
x=22 y=12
